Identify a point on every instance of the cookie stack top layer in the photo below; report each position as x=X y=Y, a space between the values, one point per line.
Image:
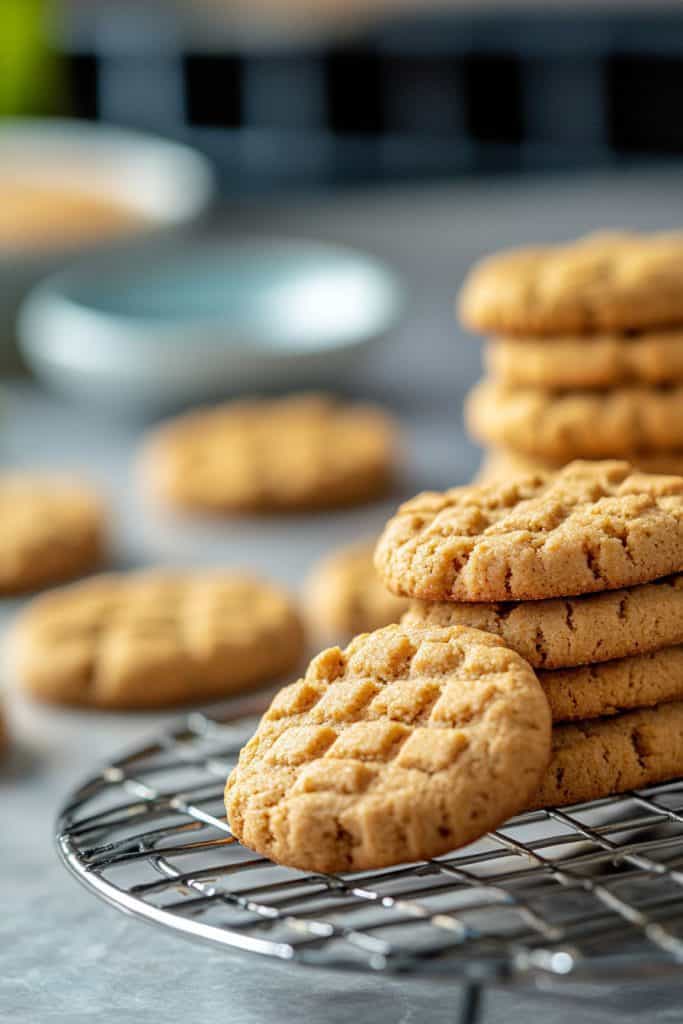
x=605 y=282
x=590 y=527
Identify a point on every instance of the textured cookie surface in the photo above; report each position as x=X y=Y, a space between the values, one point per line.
x=604 y=282
x=502 y=464
x=590 y=527
x=594 y=691
x=577 y=424
x=305 y=451
x=52 y=530
x=595 y=759
x=407 y=744
x=151 y=639
x=565 y=632
x=345 y=596
x=600 y=361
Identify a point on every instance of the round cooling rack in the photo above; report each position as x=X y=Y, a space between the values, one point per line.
x=588 y=894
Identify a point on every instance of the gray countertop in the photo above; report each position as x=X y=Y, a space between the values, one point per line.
x=64 y=956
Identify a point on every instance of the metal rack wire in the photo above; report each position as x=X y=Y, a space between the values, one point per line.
x=588 y=894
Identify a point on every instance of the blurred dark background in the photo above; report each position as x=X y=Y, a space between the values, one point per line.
x=305 y=94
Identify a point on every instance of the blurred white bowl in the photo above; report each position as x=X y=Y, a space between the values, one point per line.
x=162 y=327
x=164 y=183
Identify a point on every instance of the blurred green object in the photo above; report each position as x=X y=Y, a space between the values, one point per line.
x=30 y=79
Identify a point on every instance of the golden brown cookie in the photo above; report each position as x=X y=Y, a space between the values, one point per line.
x=562 y=425
x=4 y=733
x=502 y=464
x=595 y=759
x=594 y=691
x=406 y=745
x=152 y=639
x=589 y=361
x=592 y=526
x=52 y=529
x=345 y=596
x=605 y=282
x=262 y=455
x=565 y=632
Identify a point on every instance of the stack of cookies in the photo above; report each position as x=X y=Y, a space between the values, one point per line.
x=422 y=736
x=580 y=573
x=586 y=356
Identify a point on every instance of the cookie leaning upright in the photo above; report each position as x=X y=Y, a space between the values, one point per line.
x=53 y=529
x=590 y=527
x=265 y=455
x=408 y=744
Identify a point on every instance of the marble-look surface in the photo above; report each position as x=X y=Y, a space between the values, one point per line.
x=64 y=956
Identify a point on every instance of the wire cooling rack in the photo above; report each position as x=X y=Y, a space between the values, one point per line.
x=589 y=894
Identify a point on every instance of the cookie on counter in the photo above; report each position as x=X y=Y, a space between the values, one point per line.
x=405 y=745
x=595 y=759
x=562 y=425
x=345 y=596
x=611 y=281
x=570 y=631
x=153 y=639
x=53 y=529
x=590 y=361
x=267 y=455
x=592 y=526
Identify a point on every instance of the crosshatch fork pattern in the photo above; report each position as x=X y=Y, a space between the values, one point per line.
x=588 y=893
x=381 y=752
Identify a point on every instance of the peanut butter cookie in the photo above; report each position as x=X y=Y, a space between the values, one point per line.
x=611 y=281
x=595 y=691
x=295 y=453
x=592 y=361
x=565 y=632
x=590 y=527
x=152 y=639
x=563 y=425
x=503 y=463
x=53 y=529
x=345 y=596
x=595 y=759
x=406 y=745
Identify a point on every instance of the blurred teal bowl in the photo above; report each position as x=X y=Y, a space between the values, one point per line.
x=159 y=329
x=166 y=184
